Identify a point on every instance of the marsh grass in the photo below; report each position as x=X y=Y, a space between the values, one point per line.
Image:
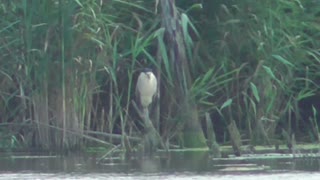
x=271 y=41
x=69 y=68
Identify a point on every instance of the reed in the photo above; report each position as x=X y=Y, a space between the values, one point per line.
x=68 y=70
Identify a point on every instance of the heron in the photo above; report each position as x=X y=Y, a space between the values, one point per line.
x=146 y=88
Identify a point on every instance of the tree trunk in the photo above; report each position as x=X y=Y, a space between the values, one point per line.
x=193 y=136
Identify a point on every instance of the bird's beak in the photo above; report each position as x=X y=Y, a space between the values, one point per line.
x=148 y=75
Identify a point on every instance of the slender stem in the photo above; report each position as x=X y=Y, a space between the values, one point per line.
x=63 y=75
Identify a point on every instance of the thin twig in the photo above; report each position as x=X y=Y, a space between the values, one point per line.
x=77 y=133
x=137 y=109
x=109 y=152
x=116 y=136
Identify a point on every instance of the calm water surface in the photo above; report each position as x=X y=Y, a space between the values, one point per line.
x=173 y=166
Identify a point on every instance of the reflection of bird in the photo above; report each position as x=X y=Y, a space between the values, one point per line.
x=146 y=88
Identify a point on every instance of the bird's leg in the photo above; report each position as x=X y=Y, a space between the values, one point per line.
x=145 y=111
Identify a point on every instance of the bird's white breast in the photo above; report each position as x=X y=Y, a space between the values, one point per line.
x=147 y=87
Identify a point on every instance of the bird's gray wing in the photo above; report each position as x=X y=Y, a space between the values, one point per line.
x=155 y=99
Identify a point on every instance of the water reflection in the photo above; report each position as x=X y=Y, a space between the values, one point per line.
x=177 y=176
x=175 y=165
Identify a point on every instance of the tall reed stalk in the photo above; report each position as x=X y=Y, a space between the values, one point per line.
x=68 y=70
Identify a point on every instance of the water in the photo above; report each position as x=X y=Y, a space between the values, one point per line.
x=173 y=166
x=293 y=176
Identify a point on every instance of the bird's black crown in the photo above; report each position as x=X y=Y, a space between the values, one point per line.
x=145 y=70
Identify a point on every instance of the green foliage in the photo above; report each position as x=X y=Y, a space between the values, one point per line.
x=275 y=40
x=53 y=73
x=73 y=64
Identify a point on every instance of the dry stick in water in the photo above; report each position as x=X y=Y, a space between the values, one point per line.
x=235 y=138
x=77 y=133
x=108 y=153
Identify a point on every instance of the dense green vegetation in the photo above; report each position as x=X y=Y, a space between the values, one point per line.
x=69 y=67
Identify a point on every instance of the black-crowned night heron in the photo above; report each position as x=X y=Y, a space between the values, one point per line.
x=146 y=88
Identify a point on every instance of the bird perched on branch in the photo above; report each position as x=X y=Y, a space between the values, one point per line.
x=146 y=88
